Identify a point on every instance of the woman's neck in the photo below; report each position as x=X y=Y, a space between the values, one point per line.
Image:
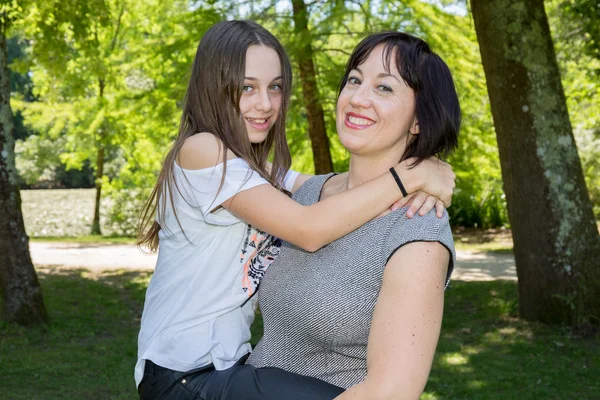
x=363 y=168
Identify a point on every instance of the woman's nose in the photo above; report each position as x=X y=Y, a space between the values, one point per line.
x=360 y=98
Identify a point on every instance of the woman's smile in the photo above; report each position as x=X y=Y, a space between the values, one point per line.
x=357 y=121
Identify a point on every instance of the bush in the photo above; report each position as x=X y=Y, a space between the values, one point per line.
x=481 y=210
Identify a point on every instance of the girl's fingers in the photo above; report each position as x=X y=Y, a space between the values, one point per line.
x=428 y=205
x=416 y=203
x=439 y=208
x=401 y=203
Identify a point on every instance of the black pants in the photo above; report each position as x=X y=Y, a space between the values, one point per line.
x=240 y=382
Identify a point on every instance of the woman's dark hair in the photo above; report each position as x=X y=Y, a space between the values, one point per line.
x=436 y=103
x=212 y=104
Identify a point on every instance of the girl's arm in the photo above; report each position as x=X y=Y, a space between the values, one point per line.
x=406 y=324
x=315 y=226
x=300 y=181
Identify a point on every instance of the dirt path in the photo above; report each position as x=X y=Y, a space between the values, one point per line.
x=471 y=266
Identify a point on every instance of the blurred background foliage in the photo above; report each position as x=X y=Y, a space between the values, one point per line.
x=115 y=75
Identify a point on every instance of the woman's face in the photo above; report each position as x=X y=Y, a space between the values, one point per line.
x=262 y=95
x=375 y=109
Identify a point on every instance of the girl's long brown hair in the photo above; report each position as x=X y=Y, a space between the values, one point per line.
x=211 y=104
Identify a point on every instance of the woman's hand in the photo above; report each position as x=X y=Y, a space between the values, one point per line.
x=420 y=202
x=432 y=176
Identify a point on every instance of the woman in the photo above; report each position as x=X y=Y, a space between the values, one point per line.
x=364 y=313
x=216 y=199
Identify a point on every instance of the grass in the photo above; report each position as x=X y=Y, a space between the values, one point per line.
x=478 y=240
x=88 y=350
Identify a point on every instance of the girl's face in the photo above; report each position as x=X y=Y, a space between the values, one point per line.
x=262 y=95
x=375 y=109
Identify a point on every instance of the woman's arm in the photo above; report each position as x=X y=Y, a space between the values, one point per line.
x=314 y=226
x=406 y=324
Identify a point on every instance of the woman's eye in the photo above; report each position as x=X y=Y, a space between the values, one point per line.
x=385 y=88
x=247 y=88
x=353 y=81
x=276 y=87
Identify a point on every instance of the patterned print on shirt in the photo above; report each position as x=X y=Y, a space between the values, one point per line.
x=258 y=252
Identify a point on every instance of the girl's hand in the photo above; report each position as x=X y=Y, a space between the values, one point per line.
x=420 y=202
x=432 y=176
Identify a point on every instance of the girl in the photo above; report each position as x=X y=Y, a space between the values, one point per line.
x=216 y=198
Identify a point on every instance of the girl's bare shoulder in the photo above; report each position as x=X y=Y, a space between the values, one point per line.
x=202 y=150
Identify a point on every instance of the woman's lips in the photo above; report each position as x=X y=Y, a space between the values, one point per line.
x=357 y=121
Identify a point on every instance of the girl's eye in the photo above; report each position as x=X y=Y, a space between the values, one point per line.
x=353 y=80
x=247 y=88
x=385 y=88
x=275 y=87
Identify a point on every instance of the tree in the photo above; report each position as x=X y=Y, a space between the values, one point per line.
x=74 y=45
x=21 y=293
x=556 y=242
x=310 y=90
x=576 y=34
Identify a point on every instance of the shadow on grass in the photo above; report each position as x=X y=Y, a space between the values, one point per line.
x=89 y=348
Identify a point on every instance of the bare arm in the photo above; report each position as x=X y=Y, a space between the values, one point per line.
x=418 y=202
x=314 y=226
x=406 y=325
x=300 y=179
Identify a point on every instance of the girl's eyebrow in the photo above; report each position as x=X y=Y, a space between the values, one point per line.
x=250 y=78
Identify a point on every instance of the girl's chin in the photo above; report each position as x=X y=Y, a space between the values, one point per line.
x=257 y=137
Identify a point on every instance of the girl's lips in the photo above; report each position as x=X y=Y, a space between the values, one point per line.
x=261 y=126
x=356 y=121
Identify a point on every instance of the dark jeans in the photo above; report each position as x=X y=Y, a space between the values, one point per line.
x=240 y=382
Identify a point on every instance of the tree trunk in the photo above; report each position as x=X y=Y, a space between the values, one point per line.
x=21 y=293
x=310 y=90
x=556 y=242
x=99 y=171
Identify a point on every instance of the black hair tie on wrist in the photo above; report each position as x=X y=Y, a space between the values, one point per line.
x=398 y=181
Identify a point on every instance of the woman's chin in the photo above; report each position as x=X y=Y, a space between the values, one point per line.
x=355 y=145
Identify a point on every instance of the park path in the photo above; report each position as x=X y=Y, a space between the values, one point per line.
x=471 y=266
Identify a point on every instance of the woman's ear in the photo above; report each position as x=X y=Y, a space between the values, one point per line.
x=414 y=128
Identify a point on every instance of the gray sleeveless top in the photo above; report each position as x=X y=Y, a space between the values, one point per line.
x=317 y=307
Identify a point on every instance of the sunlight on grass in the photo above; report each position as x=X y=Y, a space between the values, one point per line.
x=476 y=384
x=471 y=350
x=85 y=239
x=455 y=359
x=477 y=240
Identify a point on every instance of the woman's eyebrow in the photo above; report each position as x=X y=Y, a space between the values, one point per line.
x=382 y=75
